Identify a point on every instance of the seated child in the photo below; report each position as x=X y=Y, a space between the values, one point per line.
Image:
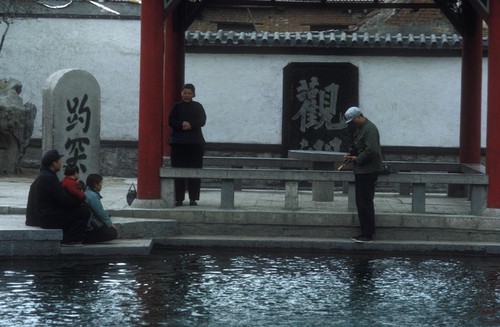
x=71 y=184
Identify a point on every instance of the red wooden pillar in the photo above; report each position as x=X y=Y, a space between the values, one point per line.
x=174 y=60
x=493 y=131
x=470 y=111
x=150 y=101
x=470 y=105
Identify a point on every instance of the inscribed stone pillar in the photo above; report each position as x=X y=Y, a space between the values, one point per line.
x=71 y=120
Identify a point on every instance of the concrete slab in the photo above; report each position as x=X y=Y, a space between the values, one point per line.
x=113 y=248
x=28 y=247
x=414 y=247
x=136 y=238
x=12 y=227
x=133 y=228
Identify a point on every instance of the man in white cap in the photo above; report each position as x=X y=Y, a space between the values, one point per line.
x=367 y=159
x=49 y=206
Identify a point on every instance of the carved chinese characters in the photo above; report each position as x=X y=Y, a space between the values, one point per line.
x=315 y=98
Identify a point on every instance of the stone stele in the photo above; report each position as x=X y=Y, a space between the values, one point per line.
x=71 y=119
x=16 y=125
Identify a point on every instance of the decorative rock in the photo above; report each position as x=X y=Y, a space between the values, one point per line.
x=16 y=125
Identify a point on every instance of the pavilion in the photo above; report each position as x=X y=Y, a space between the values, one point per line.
x=162 y=61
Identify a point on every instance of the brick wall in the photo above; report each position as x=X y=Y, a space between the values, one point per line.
x=300 y=19
x=277 y=20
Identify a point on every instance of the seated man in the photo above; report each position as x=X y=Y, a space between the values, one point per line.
x=49 y=206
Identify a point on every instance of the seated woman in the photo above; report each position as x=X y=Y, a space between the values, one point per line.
x=101 y=229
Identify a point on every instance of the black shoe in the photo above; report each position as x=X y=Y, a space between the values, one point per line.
x=362 y=238
x=178 y=203
x=192 y=203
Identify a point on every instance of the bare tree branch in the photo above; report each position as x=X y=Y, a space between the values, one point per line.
x=4 y=34
x=6 y=19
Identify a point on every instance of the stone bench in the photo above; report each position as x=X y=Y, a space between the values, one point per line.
x=291 y=163
x=477 y=183
x=251 y=162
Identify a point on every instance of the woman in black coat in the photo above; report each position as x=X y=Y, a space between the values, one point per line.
x=187 y=143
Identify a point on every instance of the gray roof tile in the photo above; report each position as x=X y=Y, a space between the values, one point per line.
x=322 y=39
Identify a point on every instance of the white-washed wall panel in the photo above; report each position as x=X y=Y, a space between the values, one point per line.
x=415 y=101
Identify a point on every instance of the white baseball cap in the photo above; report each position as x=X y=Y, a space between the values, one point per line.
x=352 y=113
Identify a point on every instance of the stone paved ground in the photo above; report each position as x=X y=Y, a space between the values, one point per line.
x=14 y=190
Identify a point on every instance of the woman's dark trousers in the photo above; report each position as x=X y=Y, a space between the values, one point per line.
x=100 y=234
x=187 y=156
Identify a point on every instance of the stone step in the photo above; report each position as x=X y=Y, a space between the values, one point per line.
x=115 y=247
x=405 y=233
x=29 y=233
x=332 y=244
x=337 y=225
x=29 y=247
x=17 y=239
x=132 y=228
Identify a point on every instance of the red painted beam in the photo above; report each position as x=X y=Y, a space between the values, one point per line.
x=150 y=101
x=493 y=130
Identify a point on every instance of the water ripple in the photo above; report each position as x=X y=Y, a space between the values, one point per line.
x=248 y=288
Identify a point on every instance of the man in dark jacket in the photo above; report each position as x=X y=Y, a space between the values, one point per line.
x=367 y=159
x=49 y=206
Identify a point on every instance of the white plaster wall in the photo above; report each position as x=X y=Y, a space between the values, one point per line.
x=108 y=49
x=414 y=101
x=241 y=95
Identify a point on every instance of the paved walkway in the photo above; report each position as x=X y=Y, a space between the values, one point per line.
x=14 y=191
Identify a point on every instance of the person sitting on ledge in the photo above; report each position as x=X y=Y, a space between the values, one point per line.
x=101 y=227
x=71 y=184
x=50 y=207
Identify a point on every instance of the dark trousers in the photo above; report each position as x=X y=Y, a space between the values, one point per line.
x=100 y=234
x=72 y=221
x=187 y=156
x=365 y=192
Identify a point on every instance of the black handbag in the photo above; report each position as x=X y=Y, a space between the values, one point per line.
x=387 y=169
x=131 y=194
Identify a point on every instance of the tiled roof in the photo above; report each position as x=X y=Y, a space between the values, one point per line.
x=322 y=40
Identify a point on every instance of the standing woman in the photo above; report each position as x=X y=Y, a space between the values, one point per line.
x=187 y=143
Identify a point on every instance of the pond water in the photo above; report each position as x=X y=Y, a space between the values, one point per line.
x=210 y=287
